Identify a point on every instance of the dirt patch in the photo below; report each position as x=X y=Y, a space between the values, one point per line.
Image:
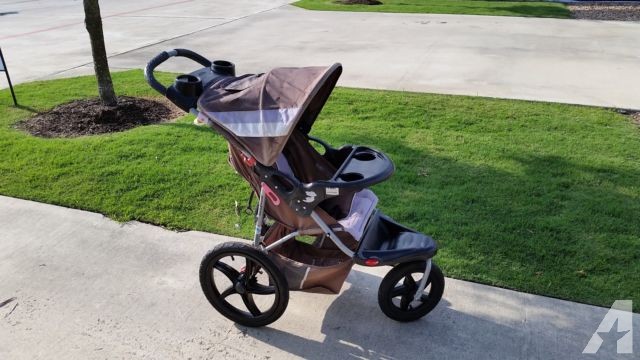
x=605 y=10
x=358 y=2
x=91 y=117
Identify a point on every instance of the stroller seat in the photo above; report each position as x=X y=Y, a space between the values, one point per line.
x=362 y=206
x=392 y=243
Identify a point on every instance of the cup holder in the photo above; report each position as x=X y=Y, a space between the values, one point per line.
x=188 y=85
x=223 y=67
x=361 y=166
x=364 y=156
x=348 y=177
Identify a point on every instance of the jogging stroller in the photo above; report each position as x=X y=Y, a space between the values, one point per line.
x=315 y=216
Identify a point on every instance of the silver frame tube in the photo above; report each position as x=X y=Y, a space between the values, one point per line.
x=257 y=235
x=336 y=240
x=282 y=240
x=423 y=282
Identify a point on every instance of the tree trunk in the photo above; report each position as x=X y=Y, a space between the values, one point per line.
x=93 y=23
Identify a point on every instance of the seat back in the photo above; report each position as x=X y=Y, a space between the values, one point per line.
x=307 y=165
x=304 y=265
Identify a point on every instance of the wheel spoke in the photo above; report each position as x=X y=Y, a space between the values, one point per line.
x=230 y=290
x=405 y=301
x=231 y=273
x=409 y=282
x=398 y=291
x=247 y=298
x=409 y=287
x=259 y=289
x=423 y=296
x=249 y=268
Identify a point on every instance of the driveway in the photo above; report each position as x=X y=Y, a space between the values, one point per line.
x=571 y=61
x=41 y=38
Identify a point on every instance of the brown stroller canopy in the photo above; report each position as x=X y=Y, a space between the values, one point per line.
x=259 y=112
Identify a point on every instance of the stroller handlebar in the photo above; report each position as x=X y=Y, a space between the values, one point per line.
x=164 y=56
x=148 y=72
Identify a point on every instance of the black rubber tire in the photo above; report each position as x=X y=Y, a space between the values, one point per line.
x=388 y=291
x=276 y=279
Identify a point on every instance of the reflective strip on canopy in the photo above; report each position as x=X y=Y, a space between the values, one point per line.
x=256 y=123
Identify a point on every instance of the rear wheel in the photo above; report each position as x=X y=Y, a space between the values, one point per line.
x=243 y=284
x=399 y=286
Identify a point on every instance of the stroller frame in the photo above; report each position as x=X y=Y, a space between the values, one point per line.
x=322 y=227
x=381 y=240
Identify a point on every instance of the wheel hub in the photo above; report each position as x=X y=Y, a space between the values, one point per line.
x=240 y=288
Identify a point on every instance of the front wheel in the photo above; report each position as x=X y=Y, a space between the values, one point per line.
x=398 y=288
x=243 y=284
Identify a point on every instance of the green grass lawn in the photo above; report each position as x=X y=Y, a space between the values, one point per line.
x=466 y=7
x=538 y=197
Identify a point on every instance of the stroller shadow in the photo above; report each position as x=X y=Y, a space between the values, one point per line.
x=354 y=327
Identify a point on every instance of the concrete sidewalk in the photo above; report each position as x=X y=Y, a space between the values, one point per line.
x=570 y=61
x=82 y=286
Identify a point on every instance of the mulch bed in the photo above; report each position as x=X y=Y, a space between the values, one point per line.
x=605 y=10
x=91 y=117
x=632 y=114
x=358 y=2
x=635 y=118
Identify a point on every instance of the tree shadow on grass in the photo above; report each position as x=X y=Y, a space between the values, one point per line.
x=555 y=226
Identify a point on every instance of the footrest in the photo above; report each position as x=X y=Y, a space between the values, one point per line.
x=391 y=243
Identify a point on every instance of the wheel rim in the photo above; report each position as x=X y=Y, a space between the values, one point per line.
x=404 y=292
x=243 y=290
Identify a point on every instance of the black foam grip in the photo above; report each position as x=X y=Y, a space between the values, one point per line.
x=148 y=72
x=193 y=56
